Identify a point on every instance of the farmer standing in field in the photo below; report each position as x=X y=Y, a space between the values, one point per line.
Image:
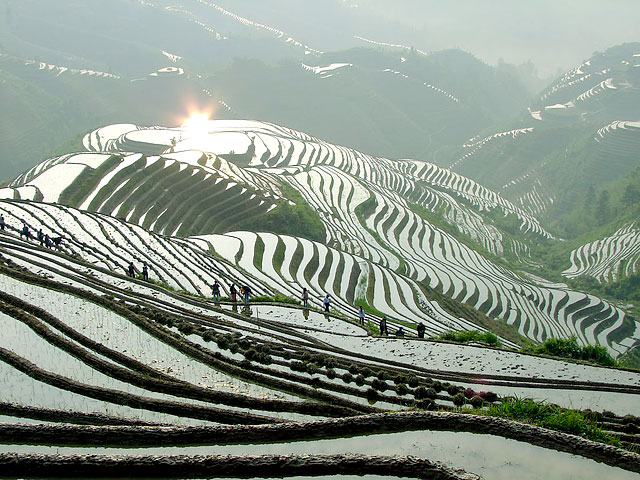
x=305 y=297
x=233 y=292
x=132 y=270
x=361 y=315
x=247 y=292
x=216 y=291
x=25 y=231
x=327 y=303
x=2 y=224
x=421 y=329
x=145 y=272
x=383 y=326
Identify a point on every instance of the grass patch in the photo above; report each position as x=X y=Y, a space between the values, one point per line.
x=549 y=416
x=631 y=359
x=468 y=336
x=277 y=297
x=569 y=348
x=299 y=220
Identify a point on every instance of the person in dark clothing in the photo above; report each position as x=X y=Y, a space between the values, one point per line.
x=145 y=272
x=400 y=332
x=216 y=291
x=47 y=241
x=247 y=292
x=305 y=297
x=361 y=315
x=132 y=270
x=383 y=326
x=25 y=231
x=2 y=223
x=40 y=237
x=233 y=292
x=421 y=329
x=57 y=241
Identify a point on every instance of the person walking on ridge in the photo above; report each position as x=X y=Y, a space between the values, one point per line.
x=216 y=291
x=40 y=237
x=145 y=272
x=25 y=231
x=383 y=326
x=2 y=223
x=233 y=292
x=421 y=329
x=131 y=270
x=305 y=297
x=47 y=241
x=361 y=315
x=327 y=303
x=400 y=332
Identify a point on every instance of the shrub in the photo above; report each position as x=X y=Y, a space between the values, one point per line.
x=209 y=335
x=420 y=393
x=476 y=401
x=250 y=354
x=354 y=369
x=330 y=362
x=453 y=390
x=367 y=372
x=378 y=384
x=437 y=386
x=331 y=373
x=458 y=399
x=569 y=348
x=371 y=394
x=488 y=396
x=412 y=381
x=400 y=379
x=426 y=404
x=401 y=389
x=264 y=358
x=223 y=342
x=382 y=375
x=360 y=380
x=312 y=368
x=298 y=366
x=347 y=377
x=468 y=336
x=469 y=392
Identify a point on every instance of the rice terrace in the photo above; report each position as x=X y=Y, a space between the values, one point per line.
x=351 y=257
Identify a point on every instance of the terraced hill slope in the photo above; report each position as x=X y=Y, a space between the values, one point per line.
x=579 y=133
x=380 y=247
x=91 y=359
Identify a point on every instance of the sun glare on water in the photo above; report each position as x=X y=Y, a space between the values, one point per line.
x=197 y=124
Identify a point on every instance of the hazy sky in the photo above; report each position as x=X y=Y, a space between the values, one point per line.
x=554 y=34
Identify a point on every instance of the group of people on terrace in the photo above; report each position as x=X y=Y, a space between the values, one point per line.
x=131 y=271
x=245 y=291
x=46 y=240
x=382 y=325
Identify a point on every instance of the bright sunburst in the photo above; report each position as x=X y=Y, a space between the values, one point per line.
x=197 y=124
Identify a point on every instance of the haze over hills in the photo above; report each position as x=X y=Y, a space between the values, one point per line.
x=403 y=157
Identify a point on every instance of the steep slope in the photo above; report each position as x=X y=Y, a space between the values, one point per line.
x=581 y=131
x=379 y=249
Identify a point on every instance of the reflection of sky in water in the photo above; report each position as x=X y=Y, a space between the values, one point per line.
x=493 y=457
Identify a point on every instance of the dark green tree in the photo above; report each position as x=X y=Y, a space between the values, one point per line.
x=603 y=207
